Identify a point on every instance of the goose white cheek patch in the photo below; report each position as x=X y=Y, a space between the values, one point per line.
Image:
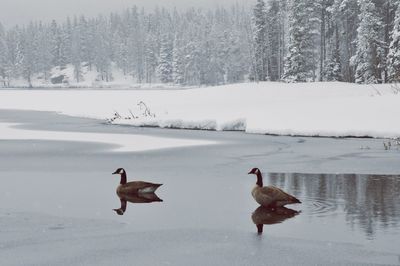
x=123 y=142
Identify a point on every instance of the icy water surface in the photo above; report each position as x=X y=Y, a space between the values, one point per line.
x=60 y=196
x=347 y=205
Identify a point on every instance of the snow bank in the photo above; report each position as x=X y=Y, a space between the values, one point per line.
x=123 y=142
x=310 y=109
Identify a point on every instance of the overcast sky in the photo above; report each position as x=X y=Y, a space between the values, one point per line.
x=22 y=11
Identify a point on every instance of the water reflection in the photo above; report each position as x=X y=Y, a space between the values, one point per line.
x=371 y=202
x=135 y=198
x=262 y=216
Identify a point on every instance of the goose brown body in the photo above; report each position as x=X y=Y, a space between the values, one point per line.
x=134 y=187
x=270 y=196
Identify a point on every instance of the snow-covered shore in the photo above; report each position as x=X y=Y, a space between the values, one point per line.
x=309 y=109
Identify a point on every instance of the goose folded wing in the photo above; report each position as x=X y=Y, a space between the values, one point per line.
x=276 y=194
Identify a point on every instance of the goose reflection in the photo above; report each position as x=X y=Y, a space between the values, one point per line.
x=135 y=198
x=263 y=215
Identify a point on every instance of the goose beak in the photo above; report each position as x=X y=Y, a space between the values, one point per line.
x=115 y=173
x=249 y=173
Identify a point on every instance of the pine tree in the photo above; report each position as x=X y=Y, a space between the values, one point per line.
x=260 y=41
x=4 y=62
x=366 y=58
x=44 y=51
x=24 y=56
x=301 y=60
x=76 y=59
x=394 y=49
x=165 y=65
x=274 y=38
x=234 y=60
x=177 y=63
x=102 y=55
x=332 y=71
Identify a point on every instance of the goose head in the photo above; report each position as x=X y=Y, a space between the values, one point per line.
x=254 y=171
x=257 y=172
x=119 y=171
x=122 y=173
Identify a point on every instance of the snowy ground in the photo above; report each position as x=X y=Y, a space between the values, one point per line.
x=309 y=109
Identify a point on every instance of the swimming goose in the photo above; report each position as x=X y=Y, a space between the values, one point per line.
x=270 y=196
x=135 y=187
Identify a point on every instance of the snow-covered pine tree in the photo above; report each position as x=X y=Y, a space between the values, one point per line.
x=32 y=51
x=332 y=65
x=59 y=45
x=44 y=53
x=19 y=57
x=333 y=69
x=366 y=59
x=4 y=62
x=82 y=32
x=120 y=50
x=134 y=23
x=102 y=55
x=274 y=39
x=260 y=37
x=386 y=11
x=55 y=44
x=25 y=55
x=215 y=53
x=11 y=42
x=301 y=60
x=67 y=41
x=345 y=15
x=76 y=59
x=177 y=63
x=235 y=60
x=394 y=49
x=165 y=62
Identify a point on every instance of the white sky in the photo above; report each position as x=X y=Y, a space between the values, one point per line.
x=22 y=11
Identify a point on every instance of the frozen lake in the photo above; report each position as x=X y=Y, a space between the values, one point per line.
x=56 y=199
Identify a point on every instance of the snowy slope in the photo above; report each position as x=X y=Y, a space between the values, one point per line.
x=313 y=109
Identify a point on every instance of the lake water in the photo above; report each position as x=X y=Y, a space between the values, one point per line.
x=61 y=195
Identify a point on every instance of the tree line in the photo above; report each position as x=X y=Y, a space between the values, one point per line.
x=277 y=40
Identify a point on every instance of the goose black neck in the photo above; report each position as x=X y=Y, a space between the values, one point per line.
x=259 y=179
x=123 y=178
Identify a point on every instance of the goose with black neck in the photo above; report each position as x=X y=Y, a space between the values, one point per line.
x=133 y=187
x=270 y=196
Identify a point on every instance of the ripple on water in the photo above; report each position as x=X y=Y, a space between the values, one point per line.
x=319 y=207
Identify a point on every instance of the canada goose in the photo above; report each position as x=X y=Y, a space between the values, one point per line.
x=264 y=215
x=270 y=196
x=134 y=192
x=136 y=198
x=135 y=187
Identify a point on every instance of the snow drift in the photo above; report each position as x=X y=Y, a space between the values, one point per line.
x=309 y=109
